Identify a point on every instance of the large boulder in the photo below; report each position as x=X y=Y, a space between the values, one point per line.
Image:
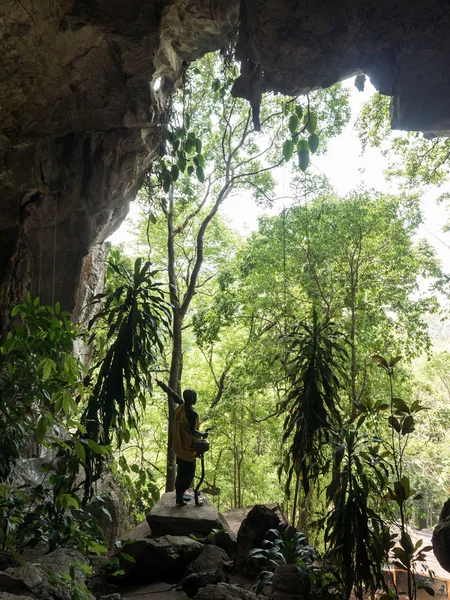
x=441 y=537
x=166 y=518
x=290 y=582
x=43 y=577
x=13 y=585
x=227 y=541
x=252 y=532
x=210 y=558
x=224 y=591
x=165 y=558
x=205 y=570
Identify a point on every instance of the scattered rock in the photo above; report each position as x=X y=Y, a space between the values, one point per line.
x=227 y=541
x=139 y=532
x=235 y=516
x=289 y=581
x=210 y=558
x=224 y=591
x=159 y=559
x=252 y=533
x=115 y=596
x=167 y=518
x=6 y=560
x=206 y=569
x=12 y=585
x=153 y=591
x=7 y=596
x=441 y=537
x=41 y=577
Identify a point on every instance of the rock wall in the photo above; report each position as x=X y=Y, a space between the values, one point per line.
x=80 y=122
x=80 y=119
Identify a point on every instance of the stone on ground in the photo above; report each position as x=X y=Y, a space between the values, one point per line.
x=210 y=558
x=7 y=596
x=235 y=516
x=152 y=591
x=139 y=532
x=252 y=533
x=441 y=537
x=165 y=558
x=41 y=577
x=206 y=569
x=224 y=591
x=168 y=518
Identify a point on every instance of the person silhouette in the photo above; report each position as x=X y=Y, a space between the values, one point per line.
x=185 y=430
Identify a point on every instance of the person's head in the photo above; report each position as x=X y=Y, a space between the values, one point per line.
x=189 y=397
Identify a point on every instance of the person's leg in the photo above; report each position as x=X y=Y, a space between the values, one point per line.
x=185 y=478
x=180 y=481
x=191 y=474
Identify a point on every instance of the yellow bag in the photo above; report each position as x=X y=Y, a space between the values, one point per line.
x=182 y=437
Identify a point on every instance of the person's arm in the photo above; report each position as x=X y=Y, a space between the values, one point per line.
x=169 y=391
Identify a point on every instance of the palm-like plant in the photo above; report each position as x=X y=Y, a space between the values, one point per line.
x=133 y=321
x=316 y=359
x=357 y=537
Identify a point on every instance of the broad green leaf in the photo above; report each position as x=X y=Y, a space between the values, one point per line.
x=288 y=149
x=174 y=171
x=311 y=121
x=79 y=451
x=167 y=182
x=41 y=428
x=303 y=159
x=313 y=142
x=408 y=425
x=395 y=423
x=293 y=123
x=200 y=174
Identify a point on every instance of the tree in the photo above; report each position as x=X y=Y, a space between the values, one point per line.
x=415 y=158
x=213 y=139
x=355 y=258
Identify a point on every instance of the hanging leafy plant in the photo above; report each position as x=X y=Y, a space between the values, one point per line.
x=316 y=357
x=135 y=318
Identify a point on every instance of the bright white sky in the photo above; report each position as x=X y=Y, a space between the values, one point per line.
x=346 y=168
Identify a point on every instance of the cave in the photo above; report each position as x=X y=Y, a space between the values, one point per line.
x=86 y=85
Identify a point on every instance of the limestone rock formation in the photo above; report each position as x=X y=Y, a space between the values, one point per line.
x=167 y=518
x=206 y=569
x=290 y=582
x=252 y=533
x=441 y=538
x=224 y=591
x=163 y=559
x=80 y=122
x=41 y=576
x=81 y=115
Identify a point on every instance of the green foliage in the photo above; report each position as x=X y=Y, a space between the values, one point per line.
x=357 y=538
x=413 y=157
x=40 y=379
x=136 y=318
x=139 y=485
x=292 y=547
x=316 y=357
x=407 y=555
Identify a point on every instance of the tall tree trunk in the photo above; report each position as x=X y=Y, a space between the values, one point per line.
x=175 y=364
x=174 y=383
x=353 y=370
